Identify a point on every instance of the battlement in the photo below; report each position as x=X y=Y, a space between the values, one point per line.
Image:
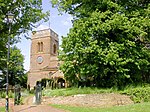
x=44 y=33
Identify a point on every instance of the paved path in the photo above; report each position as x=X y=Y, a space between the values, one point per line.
x=30 y=107
x=35 y=108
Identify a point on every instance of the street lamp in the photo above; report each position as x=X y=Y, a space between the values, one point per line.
x=10 y=17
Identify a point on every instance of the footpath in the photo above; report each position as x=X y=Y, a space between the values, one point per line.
x=30 y=107
x=35 y=108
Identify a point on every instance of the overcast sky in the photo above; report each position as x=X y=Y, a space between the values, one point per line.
x=59 y=23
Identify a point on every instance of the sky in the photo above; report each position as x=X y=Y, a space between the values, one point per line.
x=58 y=23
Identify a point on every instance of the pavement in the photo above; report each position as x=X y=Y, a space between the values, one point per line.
x=28 y=106
x=35 y=108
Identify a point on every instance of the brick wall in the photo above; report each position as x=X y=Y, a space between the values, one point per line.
x=50 y=60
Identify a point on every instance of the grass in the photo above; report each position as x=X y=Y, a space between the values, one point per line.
x=141 y=107
x=2 y=109
x=138 y=94
x=74 y=91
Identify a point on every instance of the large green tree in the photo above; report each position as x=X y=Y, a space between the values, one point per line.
x=16 y=68
x=108 y=44
x=27 y=13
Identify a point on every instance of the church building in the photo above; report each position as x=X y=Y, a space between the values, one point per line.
x=44 y=63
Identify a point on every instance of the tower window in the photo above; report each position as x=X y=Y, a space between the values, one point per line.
x=54 y=49
x=40 y=47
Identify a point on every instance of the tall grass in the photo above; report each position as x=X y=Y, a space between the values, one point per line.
x=74 y=91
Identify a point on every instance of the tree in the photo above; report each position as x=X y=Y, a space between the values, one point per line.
x=107 y=44
x=26 y=15
x=16 y=68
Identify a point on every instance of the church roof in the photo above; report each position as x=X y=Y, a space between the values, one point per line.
x=58 y=74
x=47 y=68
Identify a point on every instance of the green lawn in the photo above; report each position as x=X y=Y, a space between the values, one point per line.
x=141 y=107
x=2 y=109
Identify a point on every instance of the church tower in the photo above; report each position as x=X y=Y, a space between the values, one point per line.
x=43 y=56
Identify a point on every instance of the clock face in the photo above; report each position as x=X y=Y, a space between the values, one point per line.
x=39 y=59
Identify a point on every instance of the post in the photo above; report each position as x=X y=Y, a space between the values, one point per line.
x=7 y=75
x=9 y=21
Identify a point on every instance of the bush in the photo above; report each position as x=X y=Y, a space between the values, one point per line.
x=3 y=94
x=139 y=94
x=31 y=91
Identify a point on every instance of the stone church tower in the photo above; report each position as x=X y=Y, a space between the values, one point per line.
x=43 y=58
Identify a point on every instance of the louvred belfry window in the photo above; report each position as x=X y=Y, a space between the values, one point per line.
x=40 y=47
x=54 y=49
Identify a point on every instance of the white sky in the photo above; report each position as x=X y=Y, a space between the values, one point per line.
x=59 y=23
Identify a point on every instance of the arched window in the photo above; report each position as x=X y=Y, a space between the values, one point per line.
x=38 y=47
x=54 y=48
x=41 y=47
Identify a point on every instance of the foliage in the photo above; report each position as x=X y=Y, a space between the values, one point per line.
x=75 y=91
x=25 y=92
x=26 y=15
x=3 y=94
x=16 y=69
x=142 y=107
x=139 y=94
x=22 y=80
x=107 y=45
x=84 y=8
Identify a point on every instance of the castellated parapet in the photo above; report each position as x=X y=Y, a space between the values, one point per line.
x=44 y=33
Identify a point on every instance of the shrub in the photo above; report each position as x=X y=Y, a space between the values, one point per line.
x=139 y=94
x=3 y=94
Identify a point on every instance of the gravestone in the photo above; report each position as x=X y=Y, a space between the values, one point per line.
x=17 y=97
x=38 y=93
